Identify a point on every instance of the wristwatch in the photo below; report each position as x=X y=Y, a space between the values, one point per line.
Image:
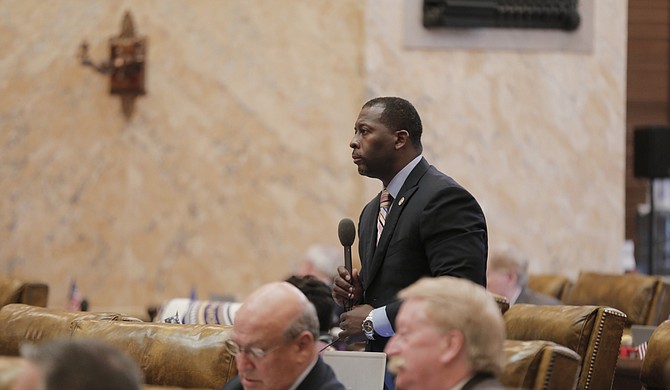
x=369 y=327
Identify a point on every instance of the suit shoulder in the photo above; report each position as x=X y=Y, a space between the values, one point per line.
x=233 y=384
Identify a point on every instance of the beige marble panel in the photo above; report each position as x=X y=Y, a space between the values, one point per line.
x=237 y=158
x=234 y=162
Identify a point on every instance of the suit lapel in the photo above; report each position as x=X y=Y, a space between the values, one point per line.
x=370 y=244
x=378 y=252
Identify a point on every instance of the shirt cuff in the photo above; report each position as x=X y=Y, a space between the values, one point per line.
x=381 y=322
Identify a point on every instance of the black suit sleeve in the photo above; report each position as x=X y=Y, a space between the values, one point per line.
x=453 y=237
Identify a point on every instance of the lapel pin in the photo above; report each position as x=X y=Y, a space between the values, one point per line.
x=401 y=201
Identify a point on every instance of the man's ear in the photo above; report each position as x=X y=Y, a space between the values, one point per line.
x=305 y=341
x=513 y=277
x=454 y=345
x=402 y=138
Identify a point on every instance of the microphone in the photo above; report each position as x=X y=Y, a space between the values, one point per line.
x=346 y=231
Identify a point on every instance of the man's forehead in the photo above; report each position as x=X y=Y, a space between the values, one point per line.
x=250 y=338
x=413 y=309
x=372 y=111
x=369 y=115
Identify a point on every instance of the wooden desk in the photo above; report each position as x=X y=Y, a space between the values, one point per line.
x=627 y=374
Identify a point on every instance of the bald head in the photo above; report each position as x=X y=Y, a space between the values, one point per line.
x=284 y=304
x=281 y=322
x=276 y=292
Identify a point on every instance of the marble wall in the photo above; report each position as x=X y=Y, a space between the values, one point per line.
x=237 y=158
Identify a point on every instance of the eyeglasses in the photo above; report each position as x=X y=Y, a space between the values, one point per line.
x=259 y=353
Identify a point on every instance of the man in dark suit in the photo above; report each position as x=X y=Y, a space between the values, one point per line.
x=274 y=341
x=431 y=227
x=507 y=275
x=450 y=335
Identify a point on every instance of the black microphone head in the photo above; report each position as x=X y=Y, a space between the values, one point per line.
x=346 y=231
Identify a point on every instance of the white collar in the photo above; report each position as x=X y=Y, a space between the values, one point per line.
x=459 y=385
x=399 y=179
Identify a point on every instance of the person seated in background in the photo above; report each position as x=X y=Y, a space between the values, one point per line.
x=274 y=341
x=319 y=294
x=77 y=364
x=507 y=275
x=449 y=335
x=190 y=311
x=321 y=261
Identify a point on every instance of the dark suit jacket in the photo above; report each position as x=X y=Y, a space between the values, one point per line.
x=534 y=298
x=321 y=377
x=483 y=382
x=435 y=227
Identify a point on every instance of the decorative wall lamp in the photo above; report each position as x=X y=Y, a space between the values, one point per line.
x=126 y=64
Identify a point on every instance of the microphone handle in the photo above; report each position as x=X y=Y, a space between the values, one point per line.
x=347 y=265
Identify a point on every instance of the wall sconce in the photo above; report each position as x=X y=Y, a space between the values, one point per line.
x=126 y=64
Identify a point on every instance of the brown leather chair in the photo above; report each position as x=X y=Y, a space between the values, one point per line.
x=503 y=302
x=593 y=332
x=553 y=285
x=14 y=290
x=21 y=323
x=540 y=365
x=645 y=299
x=655 y=373
x=182 y=355
x=186 y=356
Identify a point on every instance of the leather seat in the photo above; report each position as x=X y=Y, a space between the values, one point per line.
x=14 y=290
x=181 y=355
x=503 y=302
x=553 y=285
x=21 y=323
x=645 y=299
x=655 y=373
x=540 y=365
x=593 y=332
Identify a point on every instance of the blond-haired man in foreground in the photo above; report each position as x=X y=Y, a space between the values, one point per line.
x=274 y=341
x=449 y=335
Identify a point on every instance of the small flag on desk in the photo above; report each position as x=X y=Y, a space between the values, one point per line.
x=642 y=350
x=74 y=297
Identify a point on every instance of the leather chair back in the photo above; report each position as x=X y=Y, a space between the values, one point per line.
x=503 y=302
x=655 y=373
x=21 y=323
x=593 y=332
x=182 y=355
x=553 y=285
x=645 y=299
x=540 y=365
x=13 y=290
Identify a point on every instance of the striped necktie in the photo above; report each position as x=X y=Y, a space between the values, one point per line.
x=384 y=203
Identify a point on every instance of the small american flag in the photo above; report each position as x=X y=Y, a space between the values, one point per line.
x=642 y=350
x=74 y=298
